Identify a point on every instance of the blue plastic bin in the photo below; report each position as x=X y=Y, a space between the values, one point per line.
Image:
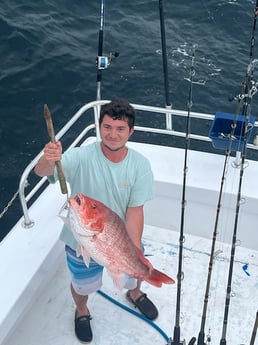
x=222 y=127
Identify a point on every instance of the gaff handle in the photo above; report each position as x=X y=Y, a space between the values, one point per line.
x=51 y=133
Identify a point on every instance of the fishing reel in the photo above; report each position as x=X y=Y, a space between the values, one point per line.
x=253 y=85
x=252 y=91
x=102 y=62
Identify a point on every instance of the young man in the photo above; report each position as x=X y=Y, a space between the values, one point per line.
x=119 y=177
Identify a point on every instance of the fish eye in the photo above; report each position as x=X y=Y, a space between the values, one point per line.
x=94 y=206
x=78 y=200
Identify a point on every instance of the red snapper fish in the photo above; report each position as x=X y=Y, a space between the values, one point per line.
x=101 y=235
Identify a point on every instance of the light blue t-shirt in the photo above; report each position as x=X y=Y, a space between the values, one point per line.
x=128 y=183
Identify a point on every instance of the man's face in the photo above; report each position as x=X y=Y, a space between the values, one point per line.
x=114 y=133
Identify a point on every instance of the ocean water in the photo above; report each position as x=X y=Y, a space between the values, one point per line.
x=48 y=53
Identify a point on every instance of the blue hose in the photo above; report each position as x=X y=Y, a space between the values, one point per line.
x=151 y=323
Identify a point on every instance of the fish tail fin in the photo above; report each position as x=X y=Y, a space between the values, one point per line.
x=158 y=278
x=155 y=277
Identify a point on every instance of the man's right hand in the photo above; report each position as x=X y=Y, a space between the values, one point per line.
x=46 y=164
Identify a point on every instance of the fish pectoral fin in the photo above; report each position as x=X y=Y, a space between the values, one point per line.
x=86 y=256
x=78 y=251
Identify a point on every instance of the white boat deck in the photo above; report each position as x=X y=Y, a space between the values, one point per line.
x=36 y=305
x=50 y=321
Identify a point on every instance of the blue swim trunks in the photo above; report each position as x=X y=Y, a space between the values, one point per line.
x=86 y=280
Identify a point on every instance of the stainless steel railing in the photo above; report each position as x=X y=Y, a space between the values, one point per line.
x=95 y=106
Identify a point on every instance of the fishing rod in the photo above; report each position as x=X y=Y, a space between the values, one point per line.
x=102 y=62
x=201 y=335
x=164 y=54
x=254 y=330
x=249 y=88
x=165 y=64
x=233 y=244
x=180 y=275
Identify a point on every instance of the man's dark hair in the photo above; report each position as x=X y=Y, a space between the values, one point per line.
x=118 y=109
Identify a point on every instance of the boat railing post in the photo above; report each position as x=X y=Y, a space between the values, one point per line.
x=169 y=118
x=27 y=222
x=237 y=161
x=96 y=119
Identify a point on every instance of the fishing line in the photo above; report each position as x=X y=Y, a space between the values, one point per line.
x=180 y=275
x=247 y=93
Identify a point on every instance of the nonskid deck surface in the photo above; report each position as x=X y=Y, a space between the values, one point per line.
x=50 y=321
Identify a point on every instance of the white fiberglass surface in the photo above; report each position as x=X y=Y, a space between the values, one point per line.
x=50 y=320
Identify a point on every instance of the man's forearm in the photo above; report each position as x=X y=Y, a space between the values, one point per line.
x=44 y=167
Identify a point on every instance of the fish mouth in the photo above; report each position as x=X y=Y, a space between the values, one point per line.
x=77 y=199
